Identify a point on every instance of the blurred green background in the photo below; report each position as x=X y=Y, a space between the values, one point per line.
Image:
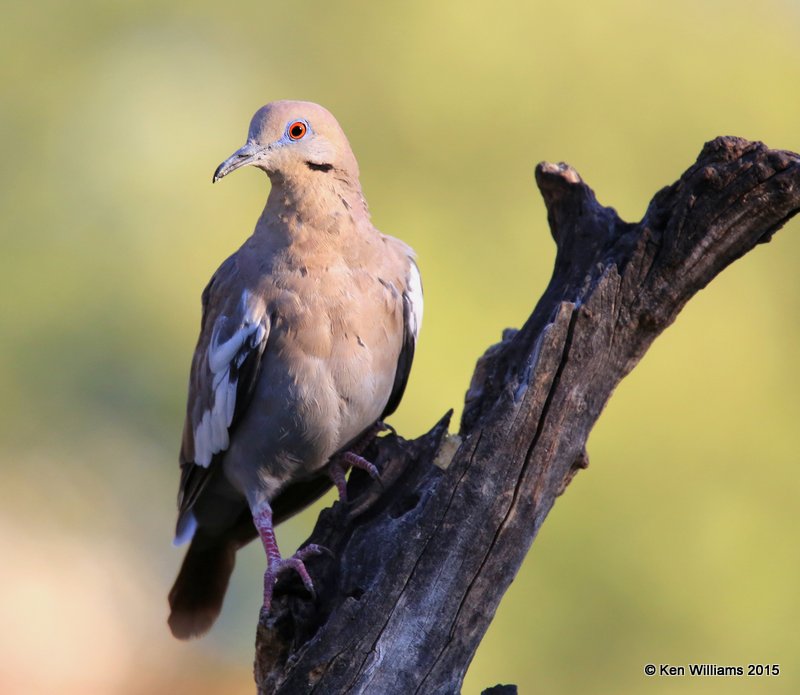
x=679 y=542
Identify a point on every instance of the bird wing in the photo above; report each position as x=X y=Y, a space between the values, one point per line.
x=412 y=322
x=233 y=335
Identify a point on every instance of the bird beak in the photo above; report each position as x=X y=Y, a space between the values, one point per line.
x=249 y=154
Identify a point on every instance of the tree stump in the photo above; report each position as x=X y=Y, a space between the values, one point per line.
x=421 y=558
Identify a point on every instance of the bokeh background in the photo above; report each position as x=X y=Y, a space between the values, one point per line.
x=678 y=544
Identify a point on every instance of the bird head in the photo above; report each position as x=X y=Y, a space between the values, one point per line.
x=292 y=140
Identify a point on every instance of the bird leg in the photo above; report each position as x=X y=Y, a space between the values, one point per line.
x=262 y=517
x=352 y=458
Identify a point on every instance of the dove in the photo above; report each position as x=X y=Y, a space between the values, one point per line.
x=306 y=341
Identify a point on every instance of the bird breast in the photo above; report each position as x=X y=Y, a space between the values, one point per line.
x=327 y=372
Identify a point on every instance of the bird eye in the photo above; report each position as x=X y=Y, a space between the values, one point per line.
x=297 y=130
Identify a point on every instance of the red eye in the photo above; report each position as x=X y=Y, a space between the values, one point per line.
x=297 y=130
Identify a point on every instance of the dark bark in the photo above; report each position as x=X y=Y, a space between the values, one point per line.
x=420 y=561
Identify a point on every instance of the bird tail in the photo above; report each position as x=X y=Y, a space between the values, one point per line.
x=195 y=599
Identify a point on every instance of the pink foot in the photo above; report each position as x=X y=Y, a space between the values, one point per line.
x=339 y=465
x=276 y=564
x=357 y=461
x=352 y=458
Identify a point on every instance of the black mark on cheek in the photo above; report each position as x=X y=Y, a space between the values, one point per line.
x=319 y=167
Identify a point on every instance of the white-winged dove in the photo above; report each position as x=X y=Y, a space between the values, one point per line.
x=306 y=341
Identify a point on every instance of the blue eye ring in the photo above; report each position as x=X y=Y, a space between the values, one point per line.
x=297 y=130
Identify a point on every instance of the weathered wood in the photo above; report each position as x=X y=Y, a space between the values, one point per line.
x=420 y=561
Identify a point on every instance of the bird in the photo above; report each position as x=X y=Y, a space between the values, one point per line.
x=307 y=336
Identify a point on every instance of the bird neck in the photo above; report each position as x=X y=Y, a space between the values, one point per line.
x=324 y=200
x=327 y=205
x=316 y=193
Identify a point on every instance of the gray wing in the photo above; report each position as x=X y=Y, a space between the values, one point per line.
x=412 y=322
x=233 y=335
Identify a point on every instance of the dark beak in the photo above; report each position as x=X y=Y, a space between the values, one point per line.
x=249 y=154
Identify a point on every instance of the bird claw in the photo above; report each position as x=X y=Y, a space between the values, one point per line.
x=338 y=468
x=357 y=461
x=278 y=565
x=352 y=458
x=337 y=472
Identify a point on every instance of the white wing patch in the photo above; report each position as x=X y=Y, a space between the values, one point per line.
x=227 y=350
x=414 y=294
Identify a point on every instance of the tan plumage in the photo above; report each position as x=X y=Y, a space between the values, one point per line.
x=306 y=340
